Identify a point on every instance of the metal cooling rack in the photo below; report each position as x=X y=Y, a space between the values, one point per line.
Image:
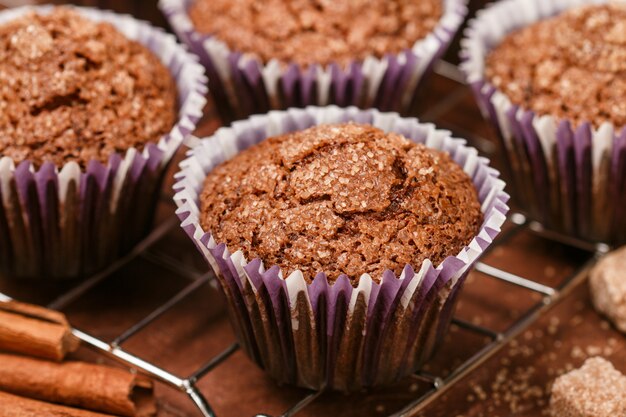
x=517 y=223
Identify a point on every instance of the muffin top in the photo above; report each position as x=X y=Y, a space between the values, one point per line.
x=317 y=31
x=75 y=90
x=572 y=66
x=348 y=199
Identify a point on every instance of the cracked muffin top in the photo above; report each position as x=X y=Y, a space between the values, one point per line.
x=571 y=66
x=341 y=199
x=76 y=90
x=317 y=31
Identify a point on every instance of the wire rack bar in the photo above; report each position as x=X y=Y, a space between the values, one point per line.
x=215 y=361
x=129 y=359
x=464 y=324
x=514 y=279
x=172 y=264
x=538 y=228
x=201 y=403
x=162 y=309
x=299 y=406
x=429 y=378
x=80 y=289
x=449 y=71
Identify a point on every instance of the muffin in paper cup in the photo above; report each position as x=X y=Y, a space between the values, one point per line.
x=566 y=174
x=242 y=84
x=65 y=221
x=341 y=334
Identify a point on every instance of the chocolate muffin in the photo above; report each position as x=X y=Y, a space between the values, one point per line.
x=305 y=230
x=341 y=199
x=78 y=90
x=317 y=32
x=93 y=106
x=572 y=66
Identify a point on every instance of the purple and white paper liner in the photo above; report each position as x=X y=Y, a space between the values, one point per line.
x=323 y=334
x=570 y=179
x=66 y=222
x=243 y=85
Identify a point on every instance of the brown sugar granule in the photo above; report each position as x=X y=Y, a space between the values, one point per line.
x=607 y=281
x=572 y=66
x=76 y=90
x=317 y=31
x=595 y=390
x=341 y=199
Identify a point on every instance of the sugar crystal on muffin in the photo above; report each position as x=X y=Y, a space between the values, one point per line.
x=78 y=90
x=341 y=199
x=317 y=32
x=571 y=66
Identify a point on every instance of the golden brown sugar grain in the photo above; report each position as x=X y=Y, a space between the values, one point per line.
x=77 y=90
x=317 y=31
x=595 y=390
x=572 y=66
x=341 y=199
x=608 y=287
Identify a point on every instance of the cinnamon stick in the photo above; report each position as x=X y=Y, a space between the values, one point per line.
x=35 y=331
x=14 y=406
x=95 y=387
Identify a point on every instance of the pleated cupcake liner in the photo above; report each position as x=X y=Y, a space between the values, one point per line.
x=571 y=179
x=242 y=85
x=67 y=222
x=326 y=334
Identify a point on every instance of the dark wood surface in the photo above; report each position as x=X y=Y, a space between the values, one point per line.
x=513 y=382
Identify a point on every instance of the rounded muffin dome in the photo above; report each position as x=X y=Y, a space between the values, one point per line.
x=78 y=90
x=311 y=32
x=572 y=66
x=341 y=199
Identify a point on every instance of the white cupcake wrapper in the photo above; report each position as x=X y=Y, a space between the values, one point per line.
x=247 y=86
x=65 y=222
x=564 y=177
x=327 y=334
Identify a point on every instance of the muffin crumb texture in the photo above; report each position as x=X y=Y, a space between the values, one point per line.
x=77 y=90
x=317 y=31
x=595 y=390
x=348 y=199
x=572 y=66
x=608 y=287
